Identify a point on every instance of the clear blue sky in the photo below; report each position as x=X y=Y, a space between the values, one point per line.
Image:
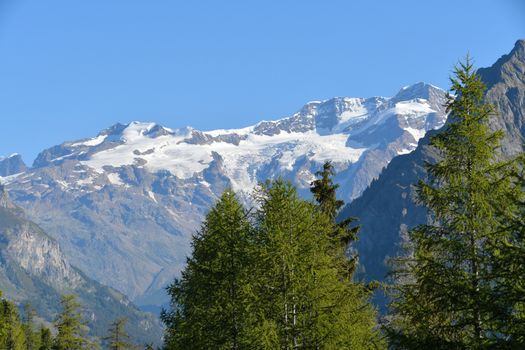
x=71 y=68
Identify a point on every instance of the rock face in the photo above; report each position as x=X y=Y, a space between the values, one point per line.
x=33 y=268
x=124 y=204
x=12 y=165
x=386 y=209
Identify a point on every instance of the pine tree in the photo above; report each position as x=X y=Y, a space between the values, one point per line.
x=209 y=302
x=71 y=329
x=118 y=338
x=447 y=293
x=301 y=300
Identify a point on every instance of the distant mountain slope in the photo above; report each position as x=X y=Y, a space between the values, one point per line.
x=12 y=165
x=386 y=209
x=34 y=269
x=124 y=204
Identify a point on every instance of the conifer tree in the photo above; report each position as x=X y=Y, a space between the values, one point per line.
x=301 y=300
x=71 y=329
x=324 y=192
x=509 y=266
x=31 y=335
x=447 y=296
x=118 y=338
x=209 y=302
x=272 y=282
x=13 y=337
x=46 y=340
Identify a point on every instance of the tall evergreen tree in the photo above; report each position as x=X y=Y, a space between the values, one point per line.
x=324 y=191
x=210 y=302
x=272 y=282
x=325 y=195
x=509 y=267
x=301 y=302
x=118 y=338
x=46 y=339
x=32 y=336
x=447 y=294
x=71 y=329
x=13 y=337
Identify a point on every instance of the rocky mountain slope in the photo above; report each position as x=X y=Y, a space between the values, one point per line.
x=12 y=165
x=386 y=209
x=124 y=204
x=34 y=269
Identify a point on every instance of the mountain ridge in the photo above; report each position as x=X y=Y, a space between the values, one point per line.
x=34 y=270
x=124 y=203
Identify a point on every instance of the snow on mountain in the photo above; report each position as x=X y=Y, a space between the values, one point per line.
x=123 y=204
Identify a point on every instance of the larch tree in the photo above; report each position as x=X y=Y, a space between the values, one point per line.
x=447 y=294
x=46 y=339
x=210 y=301
x=509 y=262
x=69 y=324
x=118 y=338
x=32 y=336
x=301 y=300
x=12 y=332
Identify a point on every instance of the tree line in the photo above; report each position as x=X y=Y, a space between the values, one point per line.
x=21 y=331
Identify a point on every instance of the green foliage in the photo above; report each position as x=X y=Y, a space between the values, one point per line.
x=509 y=264
x=71 y=327
x=210 y=303
x=46 y=340
x=448 y=293
x=267 y=282
x=100 y=300
x=12 y=335
x=32 y=336
x=118 y=338
x=301 y=299
x=324 y=192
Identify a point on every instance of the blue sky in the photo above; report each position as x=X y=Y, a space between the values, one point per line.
x=71 y=68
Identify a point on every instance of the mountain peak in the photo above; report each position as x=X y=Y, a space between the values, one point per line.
x=519 y=46
x=509 y=68
x=12 y=164
x=137 y=129
x=417 y=90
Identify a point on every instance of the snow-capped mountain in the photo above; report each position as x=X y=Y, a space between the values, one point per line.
x=124 y=204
